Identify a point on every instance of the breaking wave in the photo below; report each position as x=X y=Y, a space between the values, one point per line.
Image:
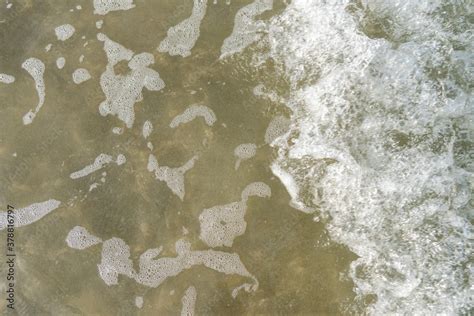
x=381 y=144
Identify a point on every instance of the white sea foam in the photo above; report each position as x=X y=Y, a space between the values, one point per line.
x=29 y=214
x=147 y=129
x=80 y=238
x=188 y=301
x=139 y=301
x=174 y=177
x=80 y=75
x=64 y=32
x=192 y=112
x=122 y=92
x=244 y=152
x=60 y=62
x=221 y=224
x=99 y=162
x=277 y=127
x=154 y=271
x=115 y=260
x=381 y=110
x=4 y=78
x=35 y=68
x=246 y=30
x=182 y=37
x=102 y=7
x=117 y=130
x=121 y=159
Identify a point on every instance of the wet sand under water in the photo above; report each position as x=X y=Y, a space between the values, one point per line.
x=299 y=269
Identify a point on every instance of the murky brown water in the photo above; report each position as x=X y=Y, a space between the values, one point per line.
x=299 y=269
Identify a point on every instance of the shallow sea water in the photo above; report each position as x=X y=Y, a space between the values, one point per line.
x=299 y=269
x=361 y=115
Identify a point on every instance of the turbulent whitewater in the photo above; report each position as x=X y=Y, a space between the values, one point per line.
x=380 y=146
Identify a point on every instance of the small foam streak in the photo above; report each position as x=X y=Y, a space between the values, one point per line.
x=189 y=301
x=4 y=78
x=35 y=68
x=192 y=112
x=99 y=162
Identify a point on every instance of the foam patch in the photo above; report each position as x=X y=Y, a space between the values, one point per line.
x=4 y=78
x=35 y=68
x=100 y=161
x=121 y=159
x=122 y=92
x=80 y=238
x=154 y=271
x=174 y=177
x=115 y=261
x=244 y=152
x=139 y=301
x=102 y=7
x=64 y=32
x=189 y=301
x=192 y=112
x=60 y=62
x=147 y=129
x=221 y=224
x=30 y=214
x=182 y=37
x=277 y=127
x=80 y=75
x=246 y=28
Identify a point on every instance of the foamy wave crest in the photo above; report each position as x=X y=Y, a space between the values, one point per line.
x=381 y=143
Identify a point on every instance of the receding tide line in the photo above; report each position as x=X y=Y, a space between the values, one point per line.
x=30 y=214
